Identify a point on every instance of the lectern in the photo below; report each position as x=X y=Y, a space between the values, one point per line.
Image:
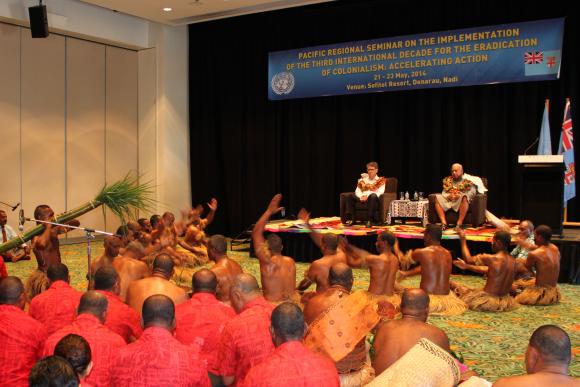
x=542 y=196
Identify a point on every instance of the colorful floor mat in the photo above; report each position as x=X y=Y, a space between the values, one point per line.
x=493 y=344
x=410 y=231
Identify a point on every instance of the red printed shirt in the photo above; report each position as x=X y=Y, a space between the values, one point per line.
x=3 y=271
x=293 y=365
x=121 y=318
x=158 y=359
x=246 y=340
x=21 y=341
x=200 y=322
x=56 y=307
x=104 y=345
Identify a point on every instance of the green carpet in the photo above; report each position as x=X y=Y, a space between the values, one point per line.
x=493 y=344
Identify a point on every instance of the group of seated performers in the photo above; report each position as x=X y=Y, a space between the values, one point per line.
x=136 y=327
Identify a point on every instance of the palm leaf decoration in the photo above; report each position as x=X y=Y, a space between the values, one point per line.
x=123 y=198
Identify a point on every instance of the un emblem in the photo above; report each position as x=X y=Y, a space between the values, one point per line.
x=283 y=83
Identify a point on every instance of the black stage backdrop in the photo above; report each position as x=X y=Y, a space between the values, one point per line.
x=245 y=148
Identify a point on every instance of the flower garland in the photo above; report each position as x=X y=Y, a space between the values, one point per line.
x=371 y=186
x=448 y=185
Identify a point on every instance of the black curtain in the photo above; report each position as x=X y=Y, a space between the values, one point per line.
x=245 y=148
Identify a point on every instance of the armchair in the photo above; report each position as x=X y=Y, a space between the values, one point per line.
x=475 y=213
x=360 y=210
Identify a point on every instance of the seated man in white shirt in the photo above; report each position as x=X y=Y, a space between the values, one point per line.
x=7 y=233
x=369 y=188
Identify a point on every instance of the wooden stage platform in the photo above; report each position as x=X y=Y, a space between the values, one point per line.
x=299 y=245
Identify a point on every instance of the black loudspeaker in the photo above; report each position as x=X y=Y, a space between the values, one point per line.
x=38 y=21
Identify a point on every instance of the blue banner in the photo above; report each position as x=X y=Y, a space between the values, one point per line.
x=519 y=52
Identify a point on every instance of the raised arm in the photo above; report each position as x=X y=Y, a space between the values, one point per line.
x=213 y=205
x=258 y=231
x=316 y=237
x=355 y=256
x=416 y=257
x=464 y=249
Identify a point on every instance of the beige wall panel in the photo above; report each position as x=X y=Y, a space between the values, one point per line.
x=43 y=121
x=148 y=119
x=121 y=117
x=10 y=118
x=85 y=125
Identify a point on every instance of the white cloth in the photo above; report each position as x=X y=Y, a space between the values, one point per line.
x=477 y=181
x=365 y=178
x=10 y=234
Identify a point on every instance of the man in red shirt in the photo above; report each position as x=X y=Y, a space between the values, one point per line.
x=21 y=336
x=308 y=369
x=89 y=324
x=246 y=339
x=201 y=320
x=157 y=358
x=56 y=307
x=121 y=318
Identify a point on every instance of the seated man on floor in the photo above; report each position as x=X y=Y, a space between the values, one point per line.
x=383 y=267
x=195 y=239
x=435 y=269
x=19 y=254
x=308 y=368
x=158 y=283
x=394 y=338
x=339 y=323
x=368 y=189
x=545 y=260
x=500 y=269
x=277 y=272
x=317 y=272
x=547 y=360
x=457 y=193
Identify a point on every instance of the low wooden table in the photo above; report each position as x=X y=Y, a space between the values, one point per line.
x=409 y=209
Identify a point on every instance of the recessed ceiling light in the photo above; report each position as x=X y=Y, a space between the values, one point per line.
x=168 y=9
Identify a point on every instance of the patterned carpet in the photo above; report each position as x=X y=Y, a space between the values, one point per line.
x=493 y=344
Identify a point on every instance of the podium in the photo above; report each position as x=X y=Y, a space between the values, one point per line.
x=542 y=194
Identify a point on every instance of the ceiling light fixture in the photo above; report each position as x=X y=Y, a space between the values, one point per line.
x=168 y=9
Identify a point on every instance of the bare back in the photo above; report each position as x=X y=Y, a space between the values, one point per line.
x=383 y=269
x=319 y=269
x=539 y=379
x=321 y=302
x=436 y=266
x=500 y=274
x=225 y=270
x=278 y=278
x=546 y=261
x=395 y=338
x=139 y=291
x=129 y=270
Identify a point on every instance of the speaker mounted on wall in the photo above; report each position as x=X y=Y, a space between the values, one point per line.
x=38 y=21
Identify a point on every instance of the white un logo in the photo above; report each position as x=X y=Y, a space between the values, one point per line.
x=283 y=83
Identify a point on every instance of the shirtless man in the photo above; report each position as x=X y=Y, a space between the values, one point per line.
x=224 y=268
x=328 y=308
x=435 y=269
x=158 y=283
x=500 y=269
x=278 y=272
x=547 y=360
x=546 y=261
x=395 y=337
x=383 y=267
x=46 y=246
x=130 y=267
x=318 y=270
x=195 y=239
x=112 y=245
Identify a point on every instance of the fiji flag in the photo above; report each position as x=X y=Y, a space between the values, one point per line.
x=545 y=144
x=567 y=149
x=542 y=63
